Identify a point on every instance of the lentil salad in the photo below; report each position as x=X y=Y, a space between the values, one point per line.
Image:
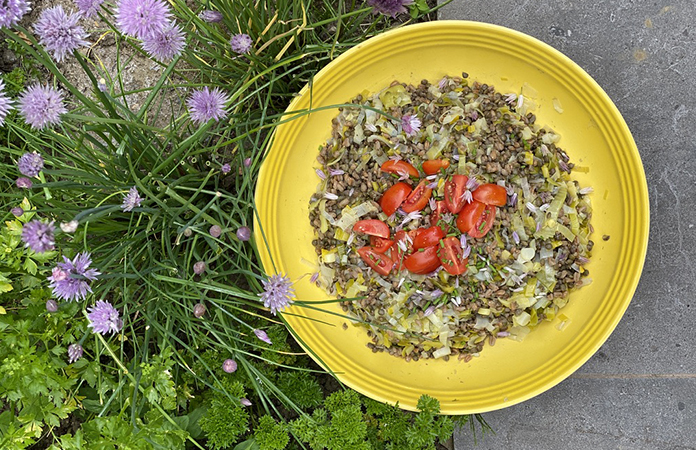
x=449 y=220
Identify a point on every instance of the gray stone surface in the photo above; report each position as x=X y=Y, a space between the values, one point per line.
x=589 y=414
x=639 y=390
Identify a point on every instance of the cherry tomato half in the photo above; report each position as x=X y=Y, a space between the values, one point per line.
x=452 y=256
x=382 y=264
x=380 y=245
x=484 y=223
x=400 y=167
x=402 y=240
x=469 y=216
x=436 y=214
x=394 y=197
x=373 y=227
x=454 y=189
x=433 y=166
x=418 y=198
x=491 y=194
x=423 y=261
x=428 y=237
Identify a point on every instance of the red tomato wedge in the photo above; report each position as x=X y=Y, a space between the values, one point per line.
x=428 y=237
x=380 y=245
x=418 y=198
x=440 y=209
x=394 y=197
x=397 y=252
x=382 y=264
x=451 y=256
x=491 y=194
x=373 y=227
x=433 y=166
x=454 y=189
x=400 y=167
x=423 y=261
x=484 y=223
x=469 y=216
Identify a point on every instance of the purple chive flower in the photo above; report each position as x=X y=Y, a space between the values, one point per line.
x=226 y=168
x=24 y=183
x=245 y=402
x=12 y=11
x=515 y=237
x=512 y=200
x=59 y=33
x=89 y=8
x=38 y=236
x=51 y=306
x=103 y=318
x=320 y=174
x=247 y=162
x=206 y=104
x=70 y=279
x=139 y=18
x=278 y=293
x=229 y=365
x=410 y=124
x=241 y=43
x=30 y=164
x=17 y=211
x=5 y=102
x=165 y=44
x=244 y=233
x=41 y=106
x=131 y=200
x=314 y=277
x=215 y=231
x=210 y=16
x=263 y=336
x=74 y=353
x=199 y=310
x=199 y=267
x=468 y=196
x=466 y=248
x=389 y=7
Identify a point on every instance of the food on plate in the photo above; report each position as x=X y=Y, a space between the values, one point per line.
x=447 y=218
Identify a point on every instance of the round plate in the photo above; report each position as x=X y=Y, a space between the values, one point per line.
x=592 y=132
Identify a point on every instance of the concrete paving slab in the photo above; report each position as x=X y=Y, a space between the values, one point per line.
x=638 y=391
x=584 y=414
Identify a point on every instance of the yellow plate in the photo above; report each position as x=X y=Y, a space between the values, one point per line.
x=592 y=132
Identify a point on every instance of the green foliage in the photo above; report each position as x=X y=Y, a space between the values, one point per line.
x=270 y=435
x=157 y=380
x=277 y=353
x=34 y=383
x=16 y=262
x=301 y=387
x=15 y=81
x=339 y=425
x=226 y=420
x=342 y=423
